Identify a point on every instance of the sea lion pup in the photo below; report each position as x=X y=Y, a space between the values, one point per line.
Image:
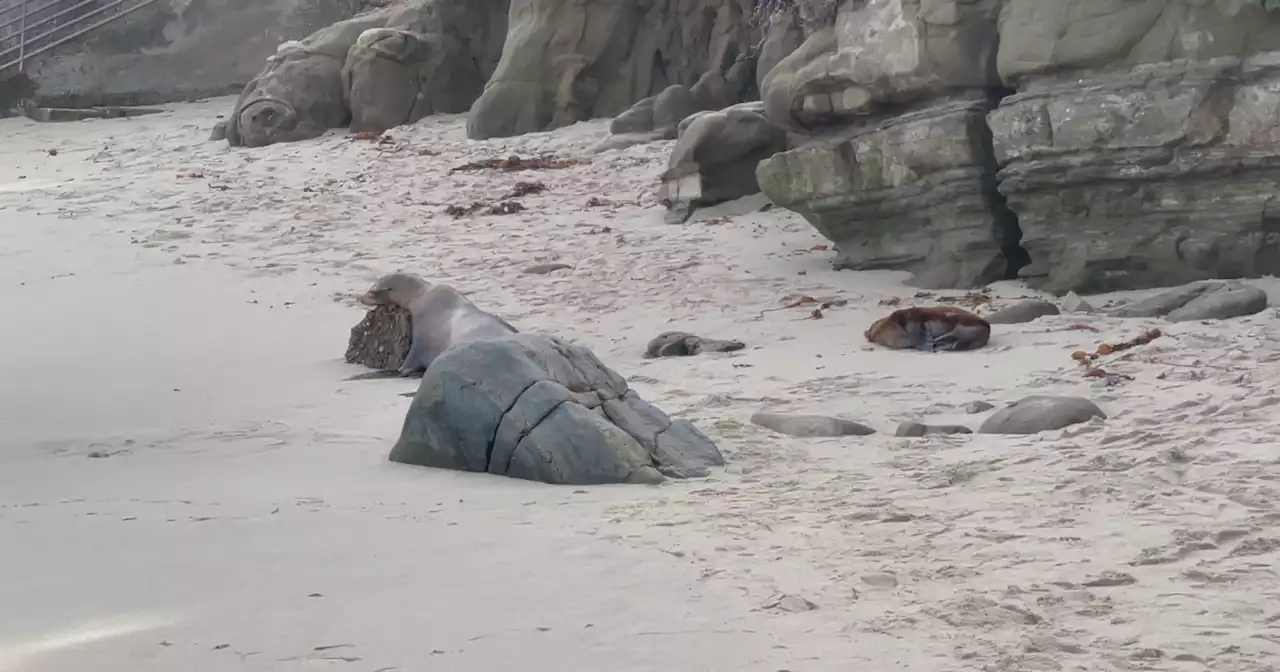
x=441 y=318
x=933 y=328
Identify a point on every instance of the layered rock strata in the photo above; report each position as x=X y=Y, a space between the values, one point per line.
x=894 y=161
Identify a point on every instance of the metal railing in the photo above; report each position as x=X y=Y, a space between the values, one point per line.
x=29 y=28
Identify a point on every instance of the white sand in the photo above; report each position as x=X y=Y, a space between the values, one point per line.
x=241 y=515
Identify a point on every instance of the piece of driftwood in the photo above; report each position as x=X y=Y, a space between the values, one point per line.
x=381 y=339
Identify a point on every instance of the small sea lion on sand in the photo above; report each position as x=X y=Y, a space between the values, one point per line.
x=442 y=317
x=933 y=328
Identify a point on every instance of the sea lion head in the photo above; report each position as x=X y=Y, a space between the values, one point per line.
x=397 y=289
x=266 y=121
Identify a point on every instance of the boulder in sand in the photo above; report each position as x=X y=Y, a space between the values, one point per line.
x=538 y=408
x=381 y=75
x=810 y=426
x=1205 y=300
x=298 y=96
x=1022 y=312
x=1036 y=414
x=715 y=157
x=916 y=429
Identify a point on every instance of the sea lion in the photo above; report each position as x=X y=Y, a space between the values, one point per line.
x=442 y=318
x=933 y=328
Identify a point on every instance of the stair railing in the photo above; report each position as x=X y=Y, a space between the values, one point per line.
x=36 y=23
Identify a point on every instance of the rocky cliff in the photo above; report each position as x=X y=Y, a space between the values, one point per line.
x=568 y=60
x=1088 y=145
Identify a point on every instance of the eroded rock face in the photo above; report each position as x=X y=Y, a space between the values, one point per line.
x=569 y=60
x=1156 y=175
x=537 y=408
x=896 y=169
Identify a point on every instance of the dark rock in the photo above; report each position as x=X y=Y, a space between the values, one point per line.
x=715 y=156
x=711 y=92
x=543 y=269
x=1022 y=312
x=381 y=339
x=810 y=426
x=915 y=429
x=537 y=408
x=1036 y=414
x=636 y=119
x=681 y=344
x=978 y=407
x=671 y=107
x=1207 y=300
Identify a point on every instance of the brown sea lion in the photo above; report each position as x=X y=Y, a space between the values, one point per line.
x=933 y=328
x=442 y=318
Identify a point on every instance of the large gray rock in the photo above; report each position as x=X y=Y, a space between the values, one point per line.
x=716 y=154
x=1141 y=148
x=376 y=71
x=810 y=426
x=537 y=408
x=893 y=162
x=1210 y=300
x=380 y=78
x=569 y=60
x=1036 y=414
x=298 y=96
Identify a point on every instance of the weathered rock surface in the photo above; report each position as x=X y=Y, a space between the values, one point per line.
x=1138 y=148
x=810 y=426
x=376 y=71
x=1022 y=312
x=897 y=169
x=1207 y=300
x=715 y=157
x=1152 y=176
x=569 y=60
x=381 y=339
x=537 y=408
x=916 y=429
x=1036 y=414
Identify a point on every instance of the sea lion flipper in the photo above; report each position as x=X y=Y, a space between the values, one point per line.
x=373 y=375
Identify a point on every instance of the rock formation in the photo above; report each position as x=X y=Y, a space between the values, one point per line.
x=1141 y=149
x=537 y=408
x=379 y=70
x=715 y=157
x=1090 y=145
x=894 y=161
x=569 y=60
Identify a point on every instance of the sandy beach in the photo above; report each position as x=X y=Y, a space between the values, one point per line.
x=188 y=483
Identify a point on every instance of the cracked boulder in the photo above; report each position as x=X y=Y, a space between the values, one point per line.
x=538 y=408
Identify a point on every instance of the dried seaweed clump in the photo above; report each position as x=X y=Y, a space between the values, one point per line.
x=381 y=339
